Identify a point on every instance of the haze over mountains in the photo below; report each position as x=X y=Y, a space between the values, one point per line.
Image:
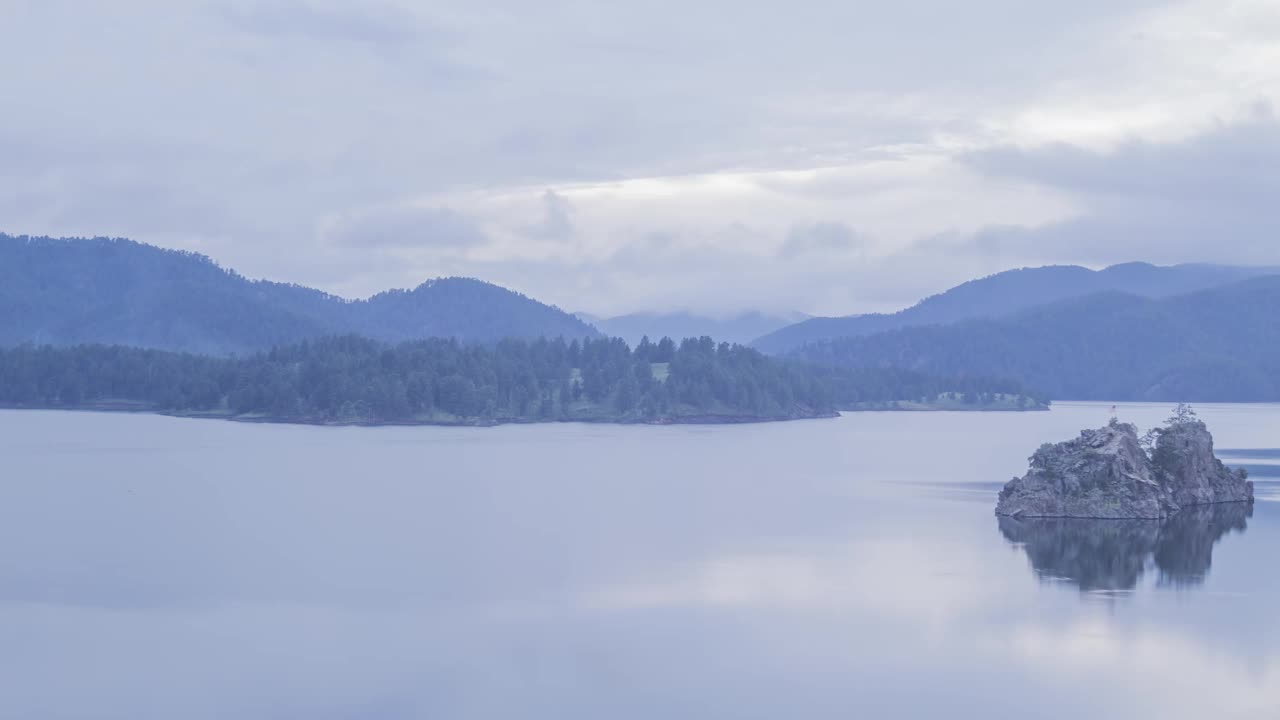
x=114 y=291
x=1128 y=332
x=1011 y=292
x=1220 y=344
x=741 y=328
x=94 y=323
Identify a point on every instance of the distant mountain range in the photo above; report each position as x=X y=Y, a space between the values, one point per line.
x=115 y=291
x=1219 y=344
x=1008 y=293
x=1128 y=332
x=741 y=328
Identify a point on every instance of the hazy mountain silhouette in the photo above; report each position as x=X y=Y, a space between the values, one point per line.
x=1010 y=292
x=115 y=291
x=1221 y=344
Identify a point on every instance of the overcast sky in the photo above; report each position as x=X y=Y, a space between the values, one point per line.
x=827 y=157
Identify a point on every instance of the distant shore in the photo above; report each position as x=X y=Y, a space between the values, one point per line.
x=120 y=406
x=444 y=421
x=954 y=402
x=941 y=407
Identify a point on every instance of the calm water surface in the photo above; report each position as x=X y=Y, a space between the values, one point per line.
x=162 y=568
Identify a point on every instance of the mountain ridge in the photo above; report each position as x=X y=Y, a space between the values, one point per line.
x=66 y=291
x=1009 y=292
x=1216 y=344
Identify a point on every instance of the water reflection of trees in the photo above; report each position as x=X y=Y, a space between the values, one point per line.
x=1114 y=554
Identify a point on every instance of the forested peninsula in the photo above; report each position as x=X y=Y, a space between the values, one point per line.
x=355 y=380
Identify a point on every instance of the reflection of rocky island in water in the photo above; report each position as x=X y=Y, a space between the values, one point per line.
x=1113 y=554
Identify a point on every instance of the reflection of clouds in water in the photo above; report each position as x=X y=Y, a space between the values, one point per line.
x=319 y=572
x=916 y=581
x=1114 y=554
x=1191 y=679
x=272 y=661
x=922 y=601
x=94 y=662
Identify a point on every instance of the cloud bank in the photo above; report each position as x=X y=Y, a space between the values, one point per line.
x=828 y=157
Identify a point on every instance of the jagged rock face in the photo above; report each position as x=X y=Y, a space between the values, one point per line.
x=1184 y=463
x=1103 y=473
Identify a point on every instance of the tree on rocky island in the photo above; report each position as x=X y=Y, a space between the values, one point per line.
x=1182 y=414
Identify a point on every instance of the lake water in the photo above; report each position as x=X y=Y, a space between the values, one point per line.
x=154 y=567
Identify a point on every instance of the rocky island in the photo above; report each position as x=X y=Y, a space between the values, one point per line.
x=1111 y=472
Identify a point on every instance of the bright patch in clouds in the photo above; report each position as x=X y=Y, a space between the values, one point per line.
x=773 y=229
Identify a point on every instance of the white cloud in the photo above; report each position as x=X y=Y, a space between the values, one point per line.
x=565 y=139
x=555 y=223
x=1209 y=197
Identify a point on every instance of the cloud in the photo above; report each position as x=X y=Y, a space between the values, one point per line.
x=1208 y=198
x=375 y=25
x=556 y=223
x=362 y=146
x=427 y=228
x=146 y=189
x=823 y=237
x=1225 y=161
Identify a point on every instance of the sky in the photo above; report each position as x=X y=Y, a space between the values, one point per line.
x=827 y=157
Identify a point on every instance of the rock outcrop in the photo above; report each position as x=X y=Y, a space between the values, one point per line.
x=1185 y=464
x=1106 y=473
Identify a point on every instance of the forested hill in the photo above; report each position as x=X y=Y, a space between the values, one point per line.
x=1008 y=293
x=114 y=291
x=1221 y=344
x=355 y=380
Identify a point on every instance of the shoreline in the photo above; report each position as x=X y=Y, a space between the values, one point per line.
x=141 y=409
x=131 y=407
x=703 y=419
x=918 y=408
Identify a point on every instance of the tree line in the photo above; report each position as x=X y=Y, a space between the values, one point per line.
x=355 y=379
